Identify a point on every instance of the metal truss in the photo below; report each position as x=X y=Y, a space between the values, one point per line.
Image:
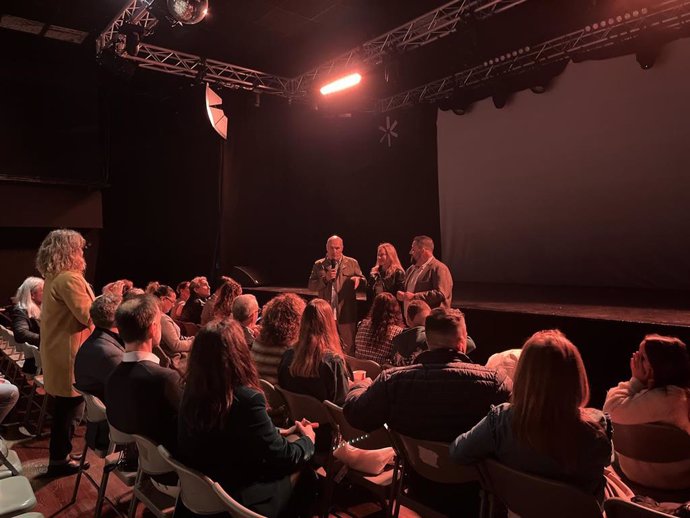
x=414 y=34
x=137 y=12
x=667 y=15
x=189 y=65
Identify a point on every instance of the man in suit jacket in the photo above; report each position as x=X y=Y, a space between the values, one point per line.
x=428 y=279
x=335 y=278
x=141 y=396
x=102 y=351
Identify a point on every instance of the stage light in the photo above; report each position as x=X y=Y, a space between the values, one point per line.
x=216 y=115
x=341 y=84
x=188 y=12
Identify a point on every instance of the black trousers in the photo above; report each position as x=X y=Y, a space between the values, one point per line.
x=66 y=414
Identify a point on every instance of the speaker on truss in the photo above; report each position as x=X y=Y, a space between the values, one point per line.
x=216 y=115
x=248 y=276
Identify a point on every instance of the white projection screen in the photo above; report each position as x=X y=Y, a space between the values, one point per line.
x=587 y=184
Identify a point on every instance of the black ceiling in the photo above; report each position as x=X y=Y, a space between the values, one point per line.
x=288 y=37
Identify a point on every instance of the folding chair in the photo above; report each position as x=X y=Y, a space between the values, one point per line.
x=531 y=496
x=37 y=383
x=16 y=496
x=620 y=508
x=151 y=463
x=201 y=495
x=372 y=368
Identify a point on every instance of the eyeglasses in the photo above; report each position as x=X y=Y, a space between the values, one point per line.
x=169 y=299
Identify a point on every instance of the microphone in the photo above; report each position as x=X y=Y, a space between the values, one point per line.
x=334 y=263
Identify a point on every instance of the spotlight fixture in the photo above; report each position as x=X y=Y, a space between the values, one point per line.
x=216 y=115
x=340 y=84
x=188 y=12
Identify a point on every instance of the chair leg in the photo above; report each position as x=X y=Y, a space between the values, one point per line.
x=101 y=491
x=133 y=503
x=79 y=474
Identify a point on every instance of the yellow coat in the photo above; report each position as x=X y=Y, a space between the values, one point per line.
x=65 y=324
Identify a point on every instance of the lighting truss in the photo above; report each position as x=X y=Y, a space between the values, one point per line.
x=189 y=65
x=668 y=15
x=414 y=34
x=137 y=12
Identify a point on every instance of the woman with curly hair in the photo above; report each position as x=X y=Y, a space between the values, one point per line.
x=226 y=295
x=374 y=340
x=279 y=331
x=65 y=324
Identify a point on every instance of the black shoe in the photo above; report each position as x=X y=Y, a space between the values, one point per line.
x=65 y=469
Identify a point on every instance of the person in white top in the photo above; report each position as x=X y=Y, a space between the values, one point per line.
x=658 y=392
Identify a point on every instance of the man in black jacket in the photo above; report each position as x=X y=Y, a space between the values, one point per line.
x=441 y=395
x=142 y=397
x=102 y=351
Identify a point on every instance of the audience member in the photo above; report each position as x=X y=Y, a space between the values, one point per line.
x=545 y=430
x=219 y=305
x=102 y=351
x=412 y=341
x=141 y=396
x=658 y=392
x=439 y=396
x=505 y=361
x=65 y=325
x=225 y=432
x=9 y=395
x=175 y=346
x=376 y=332
x=279 y=331
x=316 y=364
x=151 y=287
x=245 y=309
x=200 y=290
x=26 y=317
x=335 y=279
x=387 y=275
x=428 y=278
x=229 y=291
x=183 y=294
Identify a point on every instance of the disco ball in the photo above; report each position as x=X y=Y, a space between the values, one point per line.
x=188 y=12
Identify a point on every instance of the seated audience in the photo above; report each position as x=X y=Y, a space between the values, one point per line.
x=505 y=361
x=412 y=341
x=439 y=396
x=102 y=351
x=387 y=275
x=545 y=430
x=245 y=309
x=376 y=332
x=26 y=317
x=279 y=331
x=175 y=346
x=219 y=305
x=182 y=297
x=316 y=365
x=151 y=287
x=141 y=396
x=658 y=392
x=225 y=432
x=199 y=290
x=9 y=395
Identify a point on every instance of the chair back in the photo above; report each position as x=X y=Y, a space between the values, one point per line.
x=26 y=349
x=620 y=508
x=201 y=495
x=190 y=328
x=119 y=438
x=531 y=496
x=36 y=353
x=150 y=460
x=651 y=442
x=431 y=460
x=302 y=406
x=274 y=398
x=372 y=368
x=362 y=440
x=95 y=408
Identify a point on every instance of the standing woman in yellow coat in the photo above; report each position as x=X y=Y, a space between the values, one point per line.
x=65 y=324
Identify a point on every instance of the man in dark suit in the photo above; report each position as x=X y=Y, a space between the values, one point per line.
x=335 y=279
x=102 y=351
x=428 y=279
x=141 y=396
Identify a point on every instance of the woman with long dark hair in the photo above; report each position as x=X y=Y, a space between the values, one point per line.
x=316 y=364
x=225 y=432
x=374 y=340
x=546 y=429
x=658 y=392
